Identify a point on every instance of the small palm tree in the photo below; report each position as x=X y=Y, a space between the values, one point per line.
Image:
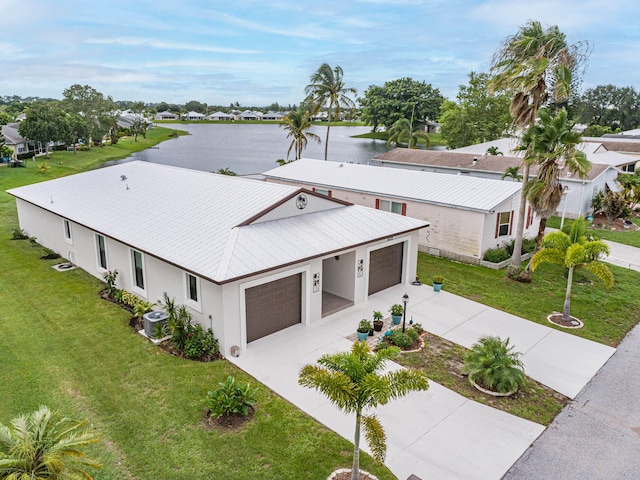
x=297 y=123
x=512 y=173
x=402 y=131
x=493 y=364
x=352 y=381
x=493 y=150
x=574 y=251
x=41 y=446
x=226 y=171
x=327 y=88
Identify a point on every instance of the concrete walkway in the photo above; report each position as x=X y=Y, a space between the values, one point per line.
x=623 y=256
x=598 y=435
x=438 y=433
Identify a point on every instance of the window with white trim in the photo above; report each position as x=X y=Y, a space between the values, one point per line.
x=137 y=261
x=504 y=222
x=67 y=232
x=192 y=288
x=101 y=250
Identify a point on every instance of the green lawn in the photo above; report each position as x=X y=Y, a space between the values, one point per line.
x=435 y=138
x=63 y=346
x=626 y=237
x=607 y=314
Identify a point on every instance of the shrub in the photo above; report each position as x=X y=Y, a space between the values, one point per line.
x=396 y=310
x=110 y=279
x=413 y=334
x=614 y=205
x=199 y=342
x=528 y=245
x=230 y=398
x=399 y=339
x=492 y=364
x=141 y=307
x=496 y=255
x=19 y=234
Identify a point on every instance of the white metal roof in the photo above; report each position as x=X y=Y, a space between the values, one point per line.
x=192 y=218
x=460 y=191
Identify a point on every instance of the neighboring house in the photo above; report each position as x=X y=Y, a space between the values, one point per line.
x=249 y=115
x=21 y=147
x=579 y=191
x=273 y=116
x=125 y=120
x=193 y=116
x=165 y=116
x=627 y=145
x=467 y=215
x=248 y=258
x=220 y=116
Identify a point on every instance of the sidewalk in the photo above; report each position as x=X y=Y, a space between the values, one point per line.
x=623 y=256
x=598 y=435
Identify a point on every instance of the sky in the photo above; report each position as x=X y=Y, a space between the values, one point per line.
x=264 y=51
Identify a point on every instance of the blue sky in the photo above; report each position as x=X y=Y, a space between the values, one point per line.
x=263 y=51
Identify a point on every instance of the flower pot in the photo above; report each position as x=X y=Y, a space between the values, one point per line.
x=371 y=332
x=377 y=325
x=362 y=336
x=396 y=319
x=437 y=287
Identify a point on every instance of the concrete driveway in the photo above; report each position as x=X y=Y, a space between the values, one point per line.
x=437 y=433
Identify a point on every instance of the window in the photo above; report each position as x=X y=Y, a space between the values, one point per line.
x=192 y=288
x=323 y=191
x=503 y=224
x=393 y=207
x=102 y=252
x=138 y=269
x=67 y=232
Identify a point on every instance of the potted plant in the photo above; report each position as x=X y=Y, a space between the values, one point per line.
x=396 y=313
x=437 y=282
x=493 y=367
x=377 y=320
x=363 y=329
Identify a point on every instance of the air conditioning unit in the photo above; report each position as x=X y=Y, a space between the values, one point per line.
x=151 y=320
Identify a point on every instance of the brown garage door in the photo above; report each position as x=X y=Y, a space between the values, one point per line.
x=273 y=306
x=385 y=268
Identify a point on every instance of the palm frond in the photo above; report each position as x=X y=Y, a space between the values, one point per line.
x=375 y=436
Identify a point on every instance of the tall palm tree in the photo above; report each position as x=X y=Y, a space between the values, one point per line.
x=41 y=446
x=552 y=145
x=327 y=89
x=402 y=131
x=573 y=251
x=538 y=65
x=512 y=173
x=297 y=123
x=353 y=381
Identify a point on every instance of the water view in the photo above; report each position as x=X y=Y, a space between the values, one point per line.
x=254 y=148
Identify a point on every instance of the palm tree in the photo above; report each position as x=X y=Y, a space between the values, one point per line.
x=327 y=88
x=512 y=173
x=552 y=145
x=630 y=183
x=353 y=382
x=493 y=150
x=402 y=132
x=41 y=446
x=493 y=364
x=226 y=171
x=296 y=123
x=537 y=64
x=573 y=251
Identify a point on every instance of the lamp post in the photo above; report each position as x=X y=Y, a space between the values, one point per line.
x=405 y=299
x=565 y=190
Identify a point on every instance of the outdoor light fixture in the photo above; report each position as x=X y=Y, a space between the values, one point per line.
x=405 y=300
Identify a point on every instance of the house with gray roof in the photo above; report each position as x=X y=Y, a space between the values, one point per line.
x=248 y=258
x=467 y=215
x=165 y=116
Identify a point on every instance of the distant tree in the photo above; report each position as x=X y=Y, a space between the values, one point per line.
x=45 y=122
x=137 y=107
x=597 y=131
x=162 y=107
x=41 y=445
x=195 y=106
x=282 y=161
x=226 y=171
x=630 y=184
x=78 y=129
x=611 y=106
x=138 y=127
x=478 y=116
x=327 y=89
x=297 y=124
x=97 y=110
x=512 y=173
x=5 y=118
x=403 y=131
x=396 y=99
x=493 y=150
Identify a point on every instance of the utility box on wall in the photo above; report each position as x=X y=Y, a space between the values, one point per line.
x=235 y=351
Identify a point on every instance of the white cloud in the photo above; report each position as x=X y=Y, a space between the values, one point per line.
x=160 y=44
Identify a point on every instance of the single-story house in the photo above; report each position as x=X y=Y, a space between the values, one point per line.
x=193 y=116
x=165 y=116
x=126 y=120
x=273 y=115
x=467 y=215
x=577 y=200
x=247 y=257
x=21 y=146
x=220 y=116
x=249 y=115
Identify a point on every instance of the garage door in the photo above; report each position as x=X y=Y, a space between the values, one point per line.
x=385 y=268
x=273 y=306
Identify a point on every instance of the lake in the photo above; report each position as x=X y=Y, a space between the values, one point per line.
x=254 y=148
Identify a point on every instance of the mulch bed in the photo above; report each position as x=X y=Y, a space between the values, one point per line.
x=572 y=322
x=229 y=423
x=600 y=222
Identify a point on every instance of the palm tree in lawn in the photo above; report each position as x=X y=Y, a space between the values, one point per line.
x=573 y=251
x=402 y=131
x=353 y=381
x=552 y=145
x=41 y=446
x=538 y=65
x=327 y=89
x=512 y=173
x=296 y=124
